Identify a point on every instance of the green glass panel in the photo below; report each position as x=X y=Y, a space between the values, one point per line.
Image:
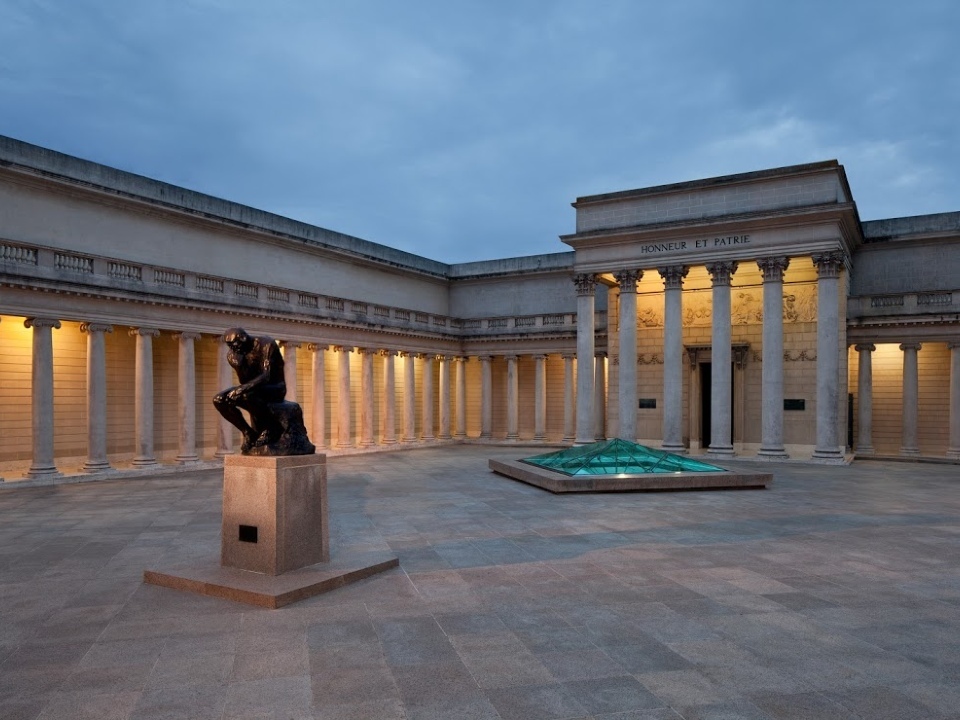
x=617 y=457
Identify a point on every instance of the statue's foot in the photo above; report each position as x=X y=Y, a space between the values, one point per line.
x=249 y=441
x=264 y=439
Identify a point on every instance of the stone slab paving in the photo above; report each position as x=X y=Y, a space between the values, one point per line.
x=833 y=594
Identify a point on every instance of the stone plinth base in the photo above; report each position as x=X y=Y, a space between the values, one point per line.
x=559 y=483
x=274 y=513
x=272 y=591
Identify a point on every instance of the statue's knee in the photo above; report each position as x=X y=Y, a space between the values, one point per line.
x=220 y=400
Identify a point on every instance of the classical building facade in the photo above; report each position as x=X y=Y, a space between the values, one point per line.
x=750 y=315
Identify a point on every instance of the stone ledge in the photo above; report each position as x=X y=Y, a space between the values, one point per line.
x=271 y=591
x=647 y=482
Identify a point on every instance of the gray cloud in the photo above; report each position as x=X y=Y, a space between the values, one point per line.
x=462 y=131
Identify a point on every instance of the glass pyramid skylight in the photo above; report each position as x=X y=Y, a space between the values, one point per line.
x=617 y=457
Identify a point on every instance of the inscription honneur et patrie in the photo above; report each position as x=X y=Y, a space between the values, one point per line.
x=698 y=244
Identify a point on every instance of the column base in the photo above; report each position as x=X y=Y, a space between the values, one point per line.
x=674 y=449
x=864 y=450
x=445 y=437
x=831 y=456
x=910 y=452
x=953 y=453
x=720 y=451
x=144 y=461
x=187 y=459
x=43 y=471
x=221 y=454
x=772 y=454
x=96 y=466
x=568 y=439
x=392 y=441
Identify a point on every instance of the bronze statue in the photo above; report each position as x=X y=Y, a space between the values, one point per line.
x=276 y=425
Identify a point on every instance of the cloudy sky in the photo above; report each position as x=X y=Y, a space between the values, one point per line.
x=463 y=129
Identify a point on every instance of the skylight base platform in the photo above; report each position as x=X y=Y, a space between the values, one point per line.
x=557 y=482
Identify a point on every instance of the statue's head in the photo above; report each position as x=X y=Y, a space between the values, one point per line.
x=237 y=340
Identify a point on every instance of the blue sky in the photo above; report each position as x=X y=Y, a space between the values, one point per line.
x=463 y=130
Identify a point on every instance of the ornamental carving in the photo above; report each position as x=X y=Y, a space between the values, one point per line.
x=673 y=275
x=800 y=356
x=746 y=308
x=652 y=359
x=627 y=279
x=828 y=264
x=585 y=284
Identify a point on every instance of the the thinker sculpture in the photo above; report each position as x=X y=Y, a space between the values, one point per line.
x=276 y=425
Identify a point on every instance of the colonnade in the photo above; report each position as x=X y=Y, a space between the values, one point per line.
x=909 y=444
x=450 y=393
x=829 y=266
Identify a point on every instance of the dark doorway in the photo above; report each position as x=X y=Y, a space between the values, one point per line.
x=706 y=385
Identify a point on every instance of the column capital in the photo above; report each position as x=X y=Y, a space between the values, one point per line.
x=316 y=347
x=143 y=332
x=441 y=358
x=41 y=322
x=722 y=272
x=673 y=275
x=186 y=335
x=828 y=264
x=910 y=346
x=627 y=279
x=864 y=347
x=387 y=353
x=95 y=328
x=366 y=351
x=459 y=358
x=290 y=343
x=586 y=283
x=600 y=354
x=773 y=268
x=540 y=356
x=511 y=356
x=953 y=344
x=485 y=358
x=342 y=349
x=405 y=354
x=569 y=356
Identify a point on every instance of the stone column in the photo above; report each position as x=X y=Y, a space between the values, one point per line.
x=43 y=464
x=225 y=379
x=829 y=266
x=426 y=411
x=318 y=424
x=96 y=397
x=344 y=436
x=460 y=430
x=444 y=397
x=388 y=415
x=513 y=399
x=865 y=398
x=627 y=325
x=911 y=393
x=409 y=399
x=187 y=399
x=366 y=396
x=771 y=374
x=290 y=368
x=953 y=449
x=693 y=406
x=599 y=395
x=486 y=397
x=586 y=422
x=672 y=357
x=569 y=406
x=143 y=393
x=721 y=392
x=540 y=398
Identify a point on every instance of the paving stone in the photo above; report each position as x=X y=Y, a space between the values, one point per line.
x=836 y=588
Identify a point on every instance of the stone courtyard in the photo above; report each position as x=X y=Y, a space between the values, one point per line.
x=835 y=593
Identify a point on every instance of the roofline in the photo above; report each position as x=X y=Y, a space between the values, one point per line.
x=36 y=160
x=720 y=180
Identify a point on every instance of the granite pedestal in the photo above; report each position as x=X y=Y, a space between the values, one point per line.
x=275 y=541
